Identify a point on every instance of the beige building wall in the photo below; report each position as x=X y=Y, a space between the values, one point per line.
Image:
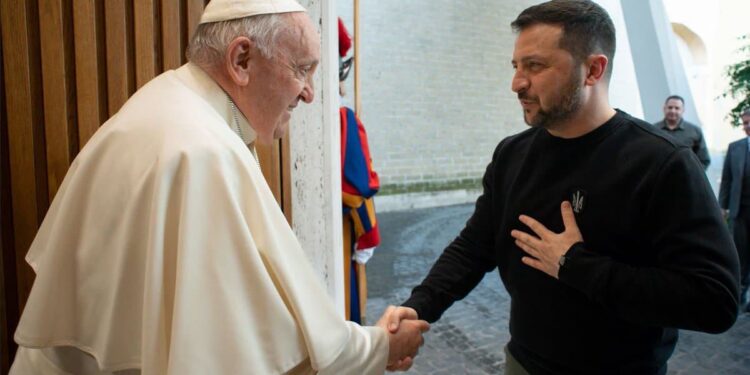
x=436 y=95
x=708 y=33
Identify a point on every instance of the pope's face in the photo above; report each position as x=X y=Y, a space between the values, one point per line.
x=279 y=83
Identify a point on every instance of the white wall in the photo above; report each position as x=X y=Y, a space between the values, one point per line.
x=718 y=24
x=623 y=89
x=316 y=177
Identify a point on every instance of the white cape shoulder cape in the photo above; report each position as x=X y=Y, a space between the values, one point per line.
x=165 y=250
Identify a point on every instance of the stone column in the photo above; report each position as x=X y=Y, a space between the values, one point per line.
x=658 y=65
x=316 y=160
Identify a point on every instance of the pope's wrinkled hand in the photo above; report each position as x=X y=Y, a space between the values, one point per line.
x=404 y=336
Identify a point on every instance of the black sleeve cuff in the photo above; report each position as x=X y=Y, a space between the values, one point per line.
x=419 y=304
x=567 y=274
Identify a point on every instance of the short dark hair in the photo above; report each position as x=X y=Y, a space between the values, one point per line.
x=587 y=27
x=676 y=97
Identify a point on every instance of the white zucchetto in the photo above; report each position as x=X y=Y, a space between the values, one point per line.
x=224 y=10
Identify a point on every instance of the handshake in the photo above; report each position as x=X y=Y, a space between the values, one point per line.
x=404 y=336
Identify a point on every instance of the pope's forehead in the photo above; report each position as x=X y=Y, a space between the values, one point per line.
x=300 y=23
x=301 y=31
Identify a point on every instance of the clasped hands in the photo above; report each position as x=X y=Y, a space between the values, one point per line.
x=404 y=336
x=546 y=248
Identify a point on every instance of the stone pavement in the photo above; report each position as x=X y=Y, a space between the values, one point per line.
x=469 y=338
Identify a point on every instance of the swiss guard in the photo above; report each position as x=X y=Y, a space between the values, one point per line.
x=359 y=185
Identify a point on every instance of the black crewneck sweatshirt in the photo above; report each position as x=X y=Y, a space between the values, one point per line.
x=656 y=254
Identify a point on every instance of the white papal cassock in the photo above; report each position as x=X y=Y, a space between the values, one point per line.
x=165 y=251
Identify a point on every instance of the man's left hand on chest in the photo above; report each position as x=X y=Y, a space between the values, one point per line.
x=546 y=248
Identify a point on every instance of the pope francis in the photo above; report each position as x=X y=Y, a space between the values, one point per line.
x=164 y=251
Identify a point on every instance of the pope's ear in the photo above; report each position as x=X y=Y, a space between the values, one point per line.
x=238 y=60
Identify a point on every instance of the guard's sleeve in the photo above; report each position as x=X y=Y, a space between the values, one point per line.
x=359 y=181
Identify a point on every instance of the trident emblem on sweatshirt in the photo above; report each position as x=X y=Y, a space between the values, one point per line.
x=578 y=199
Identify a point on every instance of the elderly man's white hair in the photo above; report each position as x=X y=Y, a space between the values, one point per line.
x=210 y=40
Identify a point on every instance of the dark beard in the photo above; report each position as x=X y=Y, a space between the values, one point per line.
x=569 y=104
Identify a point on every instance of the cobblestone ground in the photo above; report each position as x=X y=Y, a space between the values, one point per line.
x=469 y=338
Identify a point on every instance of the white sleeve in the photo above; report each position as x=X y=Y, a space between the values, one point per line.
x=363 y=255
x=365 y=353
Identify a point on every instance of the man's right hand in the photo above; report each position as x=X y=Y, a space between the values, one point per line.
x=404 y=336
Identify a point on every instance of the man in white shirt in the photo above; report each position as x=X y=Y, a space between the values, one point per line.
x=164 y=251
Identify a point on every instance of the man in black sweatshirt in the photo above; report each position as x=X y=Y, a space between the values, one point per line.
x=605 y=232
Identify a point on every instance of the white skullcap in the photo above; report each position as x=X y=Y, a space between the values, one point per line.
x=224 y=10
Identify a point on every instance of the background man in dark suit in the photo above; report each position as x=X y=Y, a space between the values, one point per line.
x=734 y=199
